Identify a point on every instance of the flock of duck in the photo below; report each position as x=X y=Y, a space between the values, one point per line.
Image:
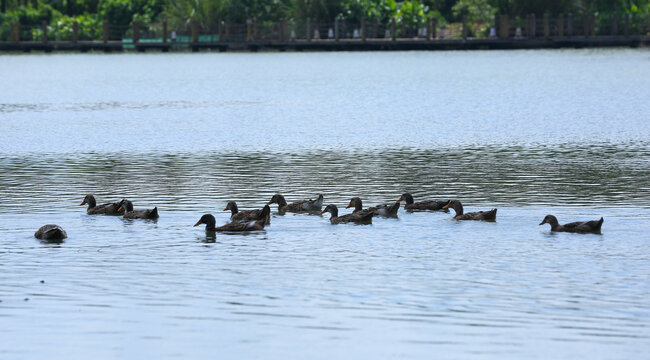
x=255 y=220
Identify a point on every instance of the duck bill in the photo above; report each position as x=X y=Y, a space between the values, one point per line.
x=446 y=206
x=349 y=206
x=83 y=203
x=323 y=212
x=270 y=202
x=120 y=209
x=400 y=199
x=198 y=223
x=543 y=222
x=227 y=208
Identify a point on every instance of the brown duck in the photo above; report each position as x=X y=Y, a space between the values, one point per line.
x=490 y=215
x=586 y=227
x=379 y=210
x=361 y=218
x=210 y=222
x=431 y=205
x=106 y=209
x=50 y=232
x=245 y=215
x=298 y=206
x=129 y=213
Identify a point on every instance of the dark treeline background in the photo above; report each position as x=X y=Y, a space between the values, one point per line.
x=89 y=14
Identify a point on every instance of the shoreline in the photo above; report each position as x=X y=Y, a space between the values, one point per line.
x=332 y=45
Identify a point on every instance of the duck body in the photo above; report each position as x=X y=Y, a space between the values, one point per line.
x=298 y=206
x=126 y=206
x=210 y=222
x=361 y=218
x=379 y=210
x=103 y=209
x=490 y=215
x=582 y=227
x=430 y=205
x=50 y=232
x=246 y=215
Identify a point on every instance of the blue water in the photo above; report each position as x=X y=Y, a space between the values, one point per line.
x=529 y=132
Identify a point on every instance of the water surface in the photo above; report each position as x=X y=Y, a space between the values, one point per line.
x=529 y=132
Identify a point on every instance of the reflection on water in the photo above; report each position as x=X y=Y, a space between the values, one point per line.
x=578 y=174
x=530 y=132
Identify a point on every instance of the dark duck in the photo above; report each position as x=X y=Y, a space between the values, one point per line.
x=246 y=215
x=430 y=205
x=210 y=223
x=490 y=215
x=379 y=210
x=582 y=227
x=360 y=218
x=105 y=209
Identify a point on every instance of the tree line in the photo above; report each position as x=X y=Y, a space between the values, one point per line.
x=90 y=14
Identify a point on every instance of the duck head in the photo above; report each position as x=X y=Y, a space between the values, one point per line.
x=232 y=206
x=278 y=199
x=356 y=203
x=406 y=197
x=332 y=209
x=90 y=200
x=208 y=220
x=550 y=219
x=456 y=205
x=125 y=205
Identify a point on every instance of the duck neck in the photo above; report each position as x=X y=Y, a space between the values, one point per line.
x=358 y=206
x=409 y=199
x=128 y=206
x=210 y=225
x=334 y=211
x=91 y=202
x=458 y=208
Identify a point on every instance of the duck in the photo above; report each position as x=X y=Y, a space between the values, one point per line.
x=379 y=210
x=582 y=227
x=431 y=205
x=298 y=206
x=490 y=215
x=209 y=221
x=361 y=218
x=126 y=206
x=50 y=232
x=245 y=215
x=106 y=209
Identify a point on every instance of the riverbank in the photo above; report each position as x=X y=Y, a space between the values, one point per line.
x=333 y=45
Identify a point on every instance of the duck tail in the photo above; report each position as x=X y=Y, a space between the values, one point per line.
x=491 y=215
x=154 y=212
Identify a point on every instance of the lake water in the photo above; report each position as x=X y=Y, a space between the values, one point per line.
x=529 y=132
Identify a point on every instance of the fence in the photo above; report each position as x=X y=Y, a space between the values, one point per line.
x=340 y=30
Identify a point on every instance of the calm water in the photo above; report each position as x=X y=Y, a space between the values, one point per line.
x=530 y=132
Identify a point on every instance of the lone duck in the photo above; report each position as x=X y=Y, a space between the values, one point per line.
x=379 y=210
x=50 y=232
x=360 y=218
x=106 y=209
x=129 y=213
x=210 y=222
x=298 y=206
x=245 y=215
x=490 y=215
x=431 y=205
x=586 y=227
